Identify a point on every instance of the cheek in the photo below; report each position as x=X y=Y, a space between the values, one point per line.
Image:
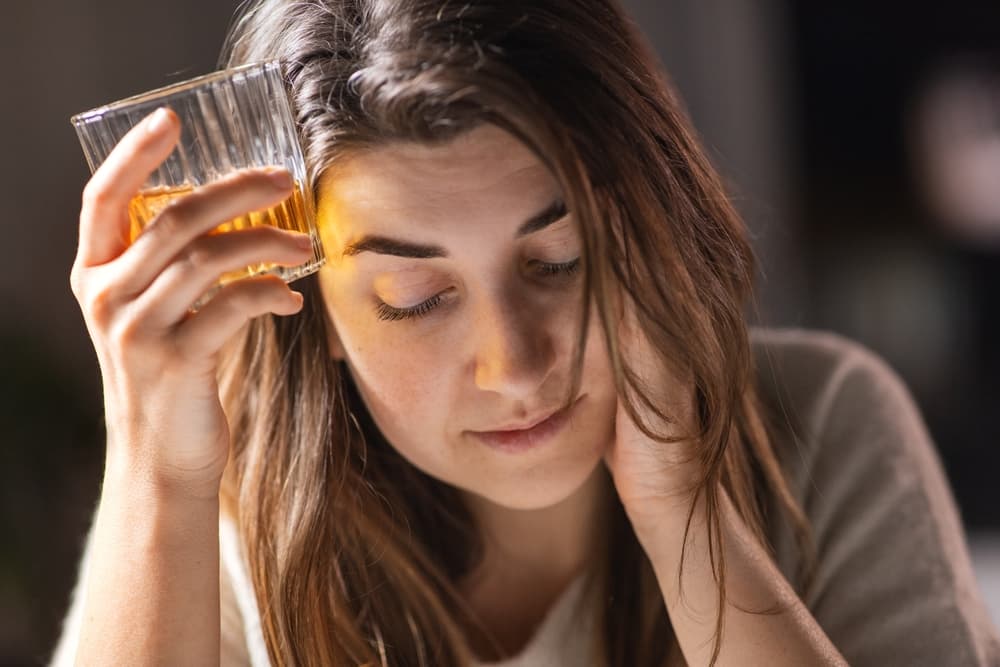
x=401 y=381
x=596 y=362
x=400 y=385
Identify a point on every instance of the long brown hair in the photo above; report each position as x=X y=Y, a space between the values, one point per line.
x=353 y=553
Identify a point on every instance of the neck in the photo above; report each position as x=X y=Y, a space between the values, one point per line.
x=555 y=540
x=531 y=556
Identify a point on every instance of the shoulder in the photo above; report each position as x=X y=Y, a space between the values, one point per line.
x=894 y=582
x=812 y=367
x=841 y=418
x=819 y=387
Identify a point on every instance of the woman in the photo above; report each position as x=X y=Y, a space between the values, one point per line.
x=518 y=415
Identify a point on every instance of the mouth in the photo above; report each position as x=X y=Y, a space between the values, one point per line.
x=523 y=439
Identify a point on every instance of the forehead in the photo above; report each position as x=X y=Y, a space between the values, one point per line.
x=484 y=173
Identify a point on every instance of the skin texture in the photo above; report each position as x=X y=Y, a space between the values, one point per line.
x=496 y=350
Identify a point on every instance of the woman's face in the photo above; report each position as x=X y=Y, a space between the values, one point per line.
x=451 y=284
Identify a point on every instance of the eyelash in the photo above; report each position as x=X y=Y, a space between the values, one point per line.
x=386 y=312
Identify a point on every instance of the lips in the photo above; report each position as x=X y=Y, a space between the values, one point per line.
x=536 y=433
x=523 y=426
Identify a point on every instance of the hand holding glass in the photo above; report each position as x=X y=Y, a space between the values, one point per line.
x=230 y=121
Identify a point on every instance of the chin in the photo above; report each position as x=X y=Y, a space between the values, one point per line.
x=542 y=486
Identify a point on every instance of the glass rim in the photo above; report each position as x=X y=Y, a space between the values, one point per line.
x=168 y=90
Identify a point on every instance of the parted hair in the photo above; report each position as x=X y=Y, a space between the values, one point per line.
x=352 y=552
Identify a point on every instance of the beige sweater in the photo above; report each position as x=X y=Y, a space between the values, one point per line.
x=894 y=583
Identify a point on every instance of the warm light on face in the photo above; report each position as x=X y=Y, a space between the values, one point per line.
x=453 y=282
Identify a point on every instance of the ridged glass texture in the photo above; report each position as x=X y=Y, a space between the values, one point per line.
x=230 y=120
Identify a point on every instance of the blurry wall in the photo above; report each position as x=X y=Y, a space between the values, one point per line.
x=806 y=108
x=733 y=64
x=898 y=104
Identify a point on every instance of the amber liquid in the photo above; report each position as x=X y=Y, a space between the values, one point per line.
x=290 y=214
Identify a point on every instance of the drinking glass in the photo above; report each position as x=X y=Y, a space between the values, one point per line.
x=230 y=120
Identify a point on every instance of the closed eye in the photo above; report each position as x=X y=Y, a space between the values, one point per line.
x=389 y=313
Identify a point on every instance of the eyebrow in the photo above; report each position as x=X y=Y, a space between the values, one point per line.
x=384 y=245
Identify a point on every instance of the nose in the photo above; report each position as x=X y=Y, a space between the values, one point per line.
x=514 y=352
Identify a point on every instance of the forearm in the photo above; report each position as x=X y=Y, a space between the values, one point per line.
x=753 y=583
x=152 y=592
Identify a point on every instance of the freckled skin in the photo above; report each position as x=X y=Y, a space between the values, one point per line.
x=498 y=347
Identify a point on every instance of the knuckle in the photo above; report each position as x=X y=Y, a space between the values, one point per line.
x=179 y=215
x=170 y=220
x=98 y=303
x=201 y=255
x=125 y=332
x=94 y=194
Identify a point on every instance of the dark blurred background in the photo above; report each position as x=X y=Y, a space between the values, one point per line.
x=861 y=141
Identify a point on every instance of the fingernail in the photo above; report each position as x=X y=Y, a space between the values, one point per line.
x=159 y=121
x=281 y=179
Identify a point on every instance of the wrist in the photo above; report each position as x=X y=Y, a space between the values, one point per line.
x=126 y=477
x=660 y=527
x=663 y=501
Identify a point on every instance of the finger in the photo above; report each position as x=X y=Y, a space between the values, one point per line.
x=199 y=266
x=205 y=332
x=195 y=214
x=104 y=214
